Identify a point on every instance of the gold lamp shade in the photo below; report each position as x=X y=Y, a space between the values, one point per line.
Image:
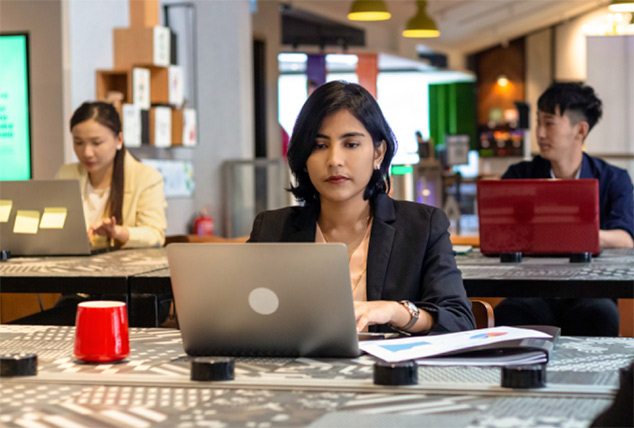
x=621 y=6
x=368 y=10
x=421 y=25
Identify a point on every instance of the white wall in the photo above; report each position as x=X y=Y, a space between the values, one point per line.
x=570 y=61
x=611 y=74
x=91 y=49
x=225 y=95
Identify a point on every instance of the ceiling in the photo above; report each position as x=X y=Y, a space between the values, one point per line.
x=466 y=26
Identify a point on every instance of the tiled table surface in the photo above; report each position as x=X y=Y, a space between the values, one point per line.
x=146 y=271
x=152 y=388
x=609 y=275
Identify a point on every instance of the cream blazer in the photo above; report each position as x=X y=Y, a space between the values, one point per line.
x=143 y=201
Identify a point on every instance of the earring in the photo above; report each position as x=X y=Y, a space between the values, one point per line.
x=377 y=166
x=119 y=147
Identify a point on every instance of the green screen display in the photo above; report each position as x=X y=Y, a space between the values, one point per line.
x=15 y=139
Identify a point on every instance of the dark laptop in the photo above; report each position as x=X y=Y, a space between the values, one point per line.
x=42 y=217
x=264 y=299
x=538 y=216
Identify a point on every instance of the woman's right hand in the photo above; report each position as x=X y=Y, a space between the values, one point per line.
x=389 y=312
x=375 y=312
x=109 y=228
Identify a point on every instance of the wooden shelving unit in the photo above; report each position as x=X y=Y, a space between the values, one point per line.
x=143 y=76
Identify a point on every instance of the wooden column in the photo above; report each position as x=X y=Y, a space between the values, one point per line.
x=368 y=71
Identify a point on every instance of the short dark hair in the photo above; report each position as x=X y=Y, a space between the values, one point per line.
x=328 y=99
x=106 y=115
x=575 y=98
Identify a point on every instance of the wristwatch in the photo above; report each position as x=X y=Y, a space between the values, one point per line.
x=414 y=313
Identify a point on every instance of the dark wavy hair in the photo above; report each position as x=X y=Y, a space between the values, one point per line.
x=324 y=101
x=580 y=101
x=106 y=115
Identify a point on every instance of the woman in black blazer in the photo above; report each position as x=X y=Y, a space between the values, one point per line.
x=403 y=272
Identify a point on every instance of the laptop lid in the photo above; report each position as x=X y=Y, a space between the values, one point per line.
x=264 y=299
x=539 y=216
x=42 y=217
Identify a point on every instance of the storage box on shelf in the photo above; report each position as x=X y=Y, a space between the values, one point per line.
x=144 y=13
x=141 y=46
x=167 y=85
x=161 y=126
x=135 y=123
x=184 y=130
x=133 y=83
x=149 y=81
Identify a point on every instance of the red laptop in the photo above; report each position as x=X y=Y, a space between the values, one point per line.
x=539 y=216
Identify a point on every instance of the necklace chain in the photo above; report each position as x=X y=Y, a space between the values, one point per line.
x=357 y=246
x=354 y=287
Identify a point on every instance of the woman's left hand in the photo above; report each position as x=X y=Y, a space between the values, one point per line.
x=376 y=312
x=109 y=228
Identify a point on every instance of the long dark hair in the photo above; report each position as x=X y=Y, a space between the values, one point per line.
x=324 y=101
x=106 y=115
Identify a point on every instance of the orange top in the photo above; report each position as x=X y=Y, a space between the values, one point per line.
x=358 y=261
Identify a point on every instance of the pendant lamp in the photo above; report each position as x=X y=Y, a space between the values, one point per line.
x=368 y=10
x=621 y=6
x=421 y=25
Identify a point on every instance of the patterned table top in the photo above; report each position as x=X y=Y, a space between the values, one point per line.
x=611 y=265
x=114 y=264
x=99 y=273
x=152 y=388
x=610 y=275
x=146 y=271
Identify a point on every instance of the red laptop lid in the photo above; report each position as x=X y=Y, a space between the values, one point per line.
x=539 y=216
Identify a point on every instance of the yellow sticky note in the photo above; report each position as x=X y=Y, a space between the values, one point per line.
x=26 y=221
x=5 y=210
x=53 y=218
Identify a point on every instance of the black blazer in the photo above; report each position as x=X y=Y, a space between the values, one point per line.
x=410 y=256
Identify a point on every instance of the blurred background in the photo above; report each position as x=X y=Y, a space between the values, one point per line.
x=209 y=89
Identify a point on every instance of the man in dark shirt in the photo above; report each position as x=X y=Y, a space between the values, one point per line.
x=566 y=114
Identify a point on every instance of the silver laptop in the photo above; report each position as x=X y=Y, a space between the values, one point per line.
x=42 y=217
x=264 y=299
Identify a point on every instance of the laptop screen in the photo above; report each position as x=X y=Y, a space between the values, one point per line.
x=538 y=216
x=42 y=217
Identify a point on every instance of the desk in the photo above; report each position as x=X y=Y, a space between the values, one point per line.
x=100 y=273
x=152 y=388
x=145 y=271
x=105 y=273
x=609 y=275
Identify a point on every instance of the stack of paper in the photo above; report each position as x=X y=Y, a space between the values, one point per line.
x=490 y=346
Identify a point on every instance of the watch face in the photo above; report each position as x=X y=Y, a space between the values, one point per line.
x=413 y=309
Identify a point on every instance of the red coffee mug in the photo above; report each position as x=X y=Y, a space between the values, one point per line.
x=101 y=331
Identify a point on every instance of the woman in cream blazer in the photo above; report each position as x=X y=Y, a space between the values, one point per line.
x=123 y=198
x=143 y=201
